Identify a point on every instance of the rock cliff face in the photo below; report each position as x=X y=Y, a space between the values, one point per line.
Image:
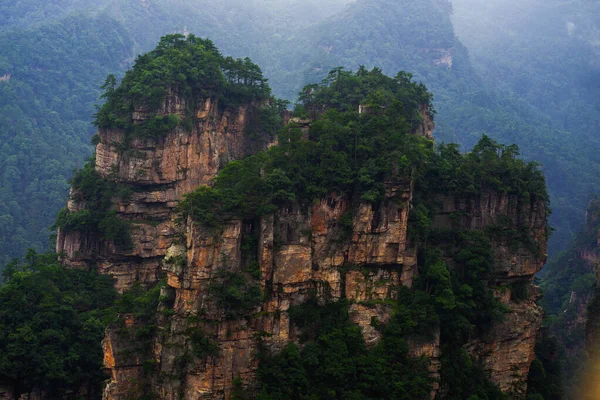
x=301 y=252
x=507 y=350
x=161 y=171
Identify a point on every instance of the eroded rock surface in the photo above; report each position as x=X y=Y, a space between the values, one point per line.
x=301 y=252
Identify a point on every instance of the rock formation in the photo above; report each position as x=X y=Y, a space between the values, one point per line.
x=300 y=251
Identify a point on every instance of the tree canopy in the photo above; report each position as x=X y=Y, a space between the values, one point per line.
x=52 y=322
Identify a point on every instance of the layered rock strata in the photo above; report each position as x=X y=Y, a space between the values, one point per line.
x=301 y=252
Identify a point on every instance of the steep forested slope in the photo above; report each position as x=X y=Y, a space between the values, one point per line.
x=45 y=109
x=547 y=54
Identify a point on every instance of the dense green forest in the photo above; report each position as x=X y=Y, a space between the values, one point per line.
x=52 y=322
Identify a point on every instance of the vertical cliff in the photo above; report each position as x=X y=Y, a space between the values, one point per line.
x=160 y=172
x=229 y=265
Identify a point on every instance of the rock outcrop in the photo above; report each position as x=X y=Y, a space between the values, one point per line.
x=162 y=171
x=300 y=251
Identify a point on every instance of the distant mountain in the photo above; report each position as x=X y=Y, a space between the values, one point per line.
x=546 y=54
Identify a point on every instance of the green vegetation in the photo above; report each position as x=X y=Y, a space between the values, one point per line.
x=570 y=272
x=52 y=322
x=545 y=380
x=347 y=152
x=201 y=345
x=568 y=285
x=464 y=305
x=189 y=67
x=140 y=301
x=45 y=111
x=234 y=293
x=97 y=193
x=334 y=362
x=489 y=166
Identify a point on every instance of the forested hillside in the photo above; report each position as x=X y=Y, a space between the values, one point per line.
x=53 y=74
x=546 y=54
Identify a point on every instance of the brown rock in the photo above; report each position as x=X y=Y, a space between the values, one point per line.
x=302 y=252
x=508 y=349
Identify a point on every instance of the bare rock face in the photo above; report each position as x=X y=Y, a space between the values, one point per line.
x=329 y=250
x=124 y=356
x=162 y=171
x=508 y=349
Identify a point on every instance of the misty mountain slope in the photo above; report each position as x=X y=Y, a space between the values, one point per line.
x=546 y=52
x=26 y=14
x=45 y=110
x=419 y=37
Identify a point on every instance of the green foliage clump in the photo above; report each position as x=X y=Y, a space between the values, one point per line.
x=462 y=378
x=96 y=193
x=489 y=165
x=346 y=152
x=546 y=374
x=140 y=301
x=464 y=305
x=52 y=322
x=235 y=293
x=334 y=362
x=202 y=346
x=190 y=67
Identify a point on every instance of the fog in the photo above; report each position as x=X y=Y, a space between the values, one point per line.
x=485 y=24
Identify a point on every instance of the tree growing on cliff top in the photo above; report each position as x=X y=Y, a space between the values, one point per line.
x=191 y=67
